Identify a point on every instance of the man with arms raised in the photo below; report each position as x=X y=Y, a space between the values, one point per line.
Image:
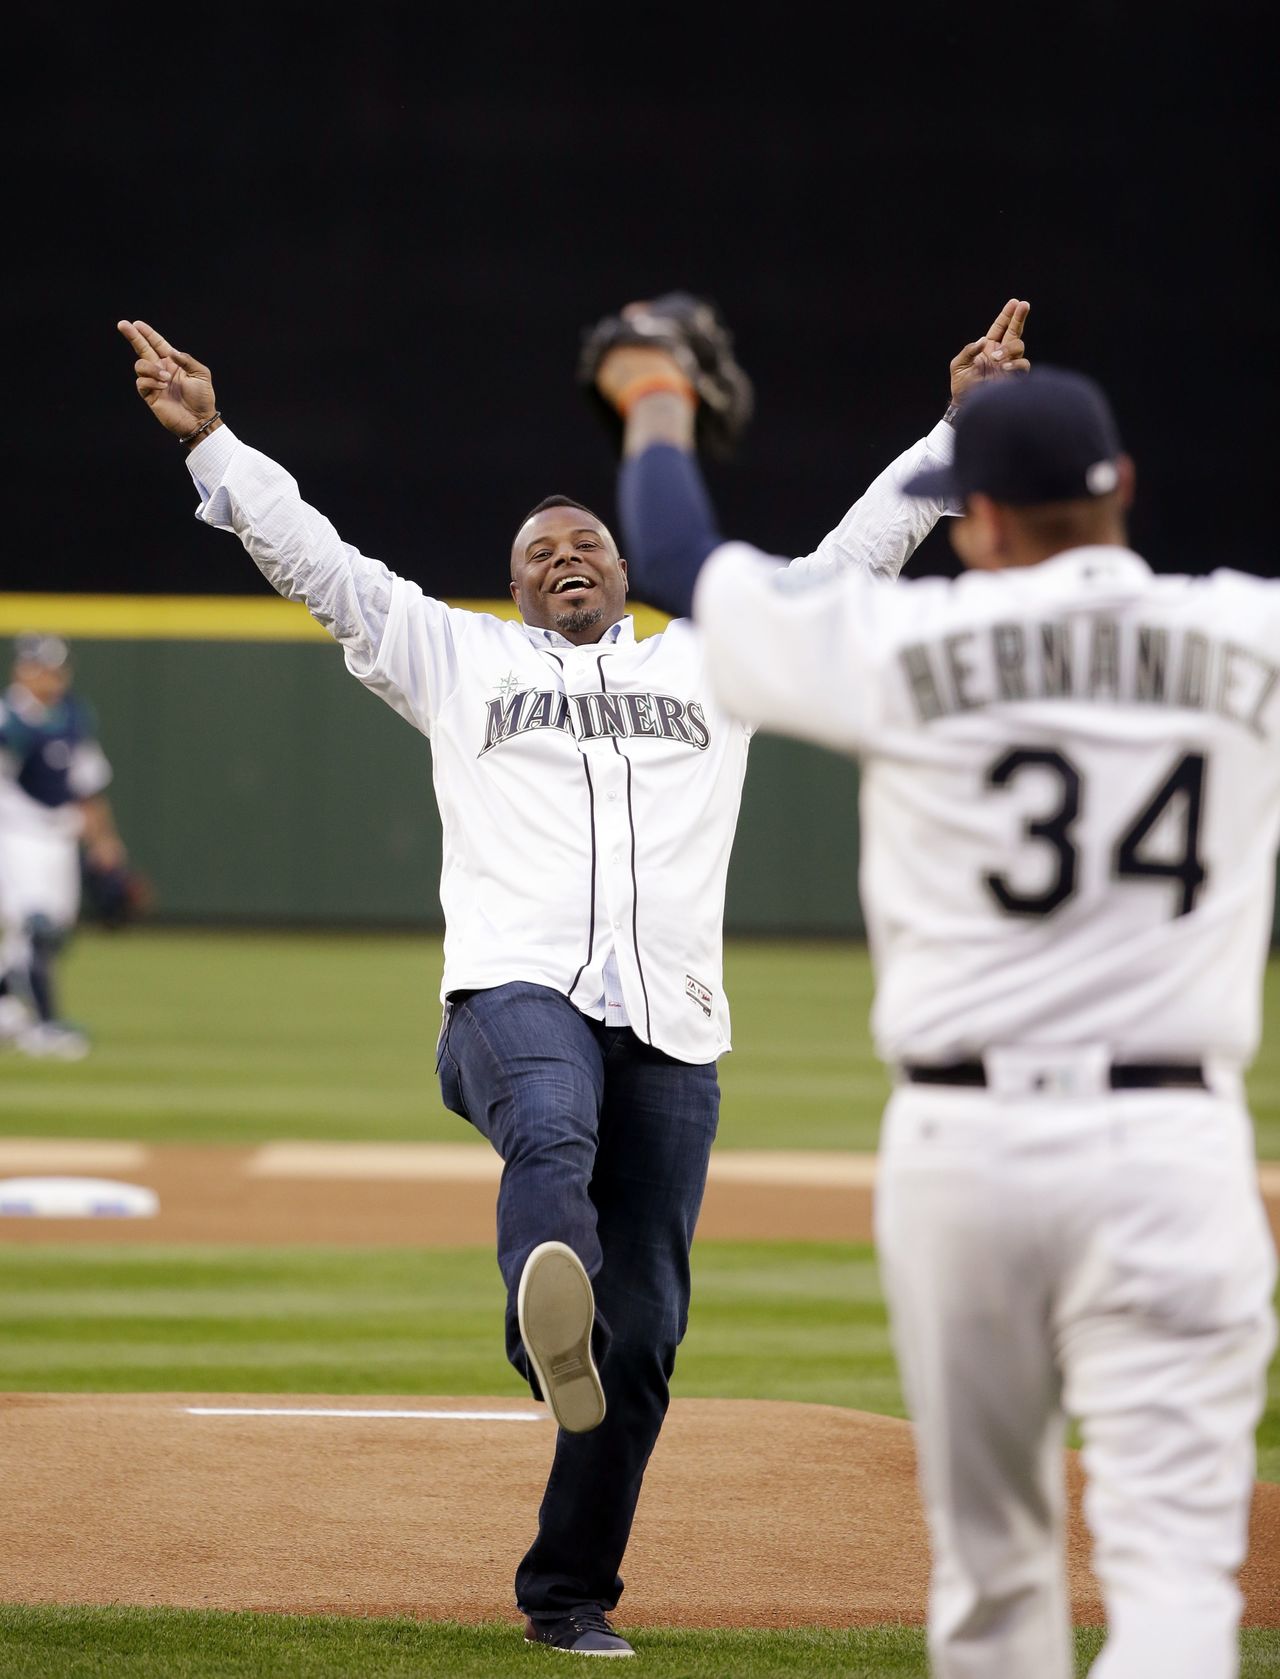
x=588 y=789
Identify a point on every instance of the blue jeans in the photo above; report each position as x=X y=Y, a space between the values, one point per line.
x=605 y=1143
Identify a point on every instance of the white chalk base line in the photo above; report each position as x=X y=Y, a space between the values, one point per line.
x=301 y=1411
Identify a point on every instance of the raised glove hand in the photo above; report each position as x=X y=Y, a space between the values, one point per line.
x=690 y=330
x=175 y=386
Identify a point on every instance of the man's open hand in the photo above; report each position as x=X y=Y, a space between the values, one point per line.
x=998 y=352
x=175 y=387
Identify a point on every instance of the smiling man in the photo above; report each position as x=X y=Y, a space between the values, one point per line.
x=581 y=601
x=588 y=788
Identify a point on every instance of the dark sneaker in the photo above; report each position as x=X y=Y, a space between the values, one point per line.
x=586 y=1632
x=557 y=1312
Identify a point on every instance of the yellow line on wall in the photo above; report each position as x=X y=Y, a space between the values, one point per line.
x=201 y=617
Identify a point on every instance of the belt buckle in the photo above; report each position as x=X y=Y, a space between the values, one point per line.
x=1074 y=1074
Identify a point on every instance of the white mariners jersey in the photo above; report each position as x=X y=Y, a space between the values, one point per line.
x=1070 y=794
x=588 y=795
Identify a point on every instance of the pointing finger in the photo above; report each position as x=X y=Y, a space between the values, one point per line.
x=999 y=326
x=158 y=343
x=137 y=342
x=1017 y=323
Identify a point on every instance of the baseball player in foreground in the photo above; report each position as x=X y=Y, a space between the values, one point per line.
x=53 y=804
x=1070 y=807
x=588 y=786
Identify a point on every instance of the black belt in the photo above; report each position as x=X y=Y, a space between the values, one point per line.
x=1126 y=1075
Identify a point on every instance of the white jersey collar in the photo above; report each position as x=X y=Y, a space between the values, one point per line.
x=624 y=631
x=1098 y=560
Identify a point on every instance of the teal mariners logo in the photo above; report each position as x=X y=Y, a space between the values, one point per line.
x=595 y=716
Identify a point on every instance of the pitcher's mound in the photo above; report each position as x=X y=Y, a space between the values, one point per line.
x=753 y=1514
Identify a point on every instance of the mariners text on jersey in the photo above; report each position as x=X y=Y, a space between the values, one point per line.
x=598 y=716
x=1089 y=657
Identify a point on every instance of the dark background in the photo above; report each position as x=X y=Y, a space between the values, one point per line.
x=384 y=228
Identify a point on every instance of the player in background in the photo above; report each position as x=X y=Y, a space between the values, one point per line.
x=53 y=780
x=1070 y=805
x=588 y=788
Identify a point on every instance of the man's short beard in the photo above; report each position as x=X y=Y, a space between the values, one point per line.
x=581 y=618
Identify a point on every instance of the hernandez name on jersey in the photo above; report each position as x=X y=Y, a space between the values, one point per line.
x=1102 y=658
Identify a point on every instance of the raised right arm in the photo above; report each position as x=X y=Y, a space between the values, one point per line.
x=355 y=598
x=295 y=547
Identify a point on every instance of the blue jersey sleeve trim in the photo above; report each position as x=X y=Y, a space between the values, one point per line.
x=668 y=525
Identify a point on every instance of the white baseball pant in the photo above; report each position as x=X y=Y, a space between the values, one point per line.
x=1105 y=1258
x=39 y=877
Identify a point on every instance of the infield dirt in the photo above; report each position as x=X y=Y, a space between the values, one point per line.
x=399 y=1196
x=420 y=1195
x=753 y=1514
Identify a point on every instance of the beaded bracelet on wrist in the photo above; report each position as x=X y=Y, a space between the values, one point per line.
x=192 y=435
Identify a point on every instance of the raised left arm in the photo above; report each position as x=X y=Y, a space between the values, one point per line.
x=883 y=528
x=669 y=525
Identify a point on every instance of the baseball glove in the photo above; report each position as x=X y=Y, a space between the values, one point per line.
x=116 y=896
x=692 y=329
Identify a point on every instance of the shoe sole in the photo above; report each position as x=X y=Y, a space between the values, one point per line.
x=608 y=1655
x=557 y=1312
x=559 y=1650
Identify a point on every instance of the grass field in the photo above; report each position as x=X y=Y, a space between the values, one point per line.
x=240 y=1039
x=169 y=1644
x=803 y=1322
x=245 y=1038
x=770 y=1321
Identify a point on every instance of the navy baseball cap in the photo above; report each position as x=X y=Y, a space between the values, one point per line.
x=1047 y=435
x=47 y=650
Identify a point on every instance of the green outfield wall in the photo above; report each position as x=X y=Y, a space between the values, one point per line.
x=256 y=781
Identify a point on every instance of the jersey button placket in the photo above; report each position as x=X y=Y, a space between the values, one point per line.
x=616 y=844
x=609 y=772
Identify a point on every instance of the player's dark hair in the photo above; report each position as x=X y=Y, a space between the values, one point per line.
x=1056 y=526
x=554 y=501
x=558 y=501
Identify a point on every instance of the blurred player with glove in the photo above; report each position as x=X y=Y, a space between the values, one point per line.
x=53 y=805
